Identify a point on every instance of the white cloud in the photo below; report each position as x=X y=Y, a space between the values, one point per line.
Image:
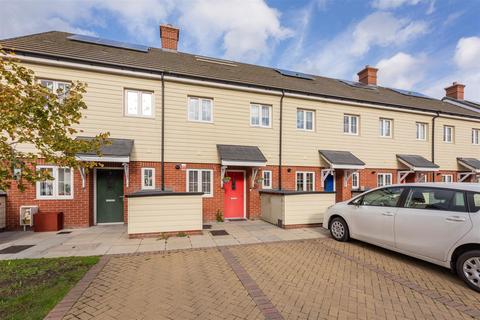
x=402 y=71
x=392 y=4
x=340 y=56
x=467 y=54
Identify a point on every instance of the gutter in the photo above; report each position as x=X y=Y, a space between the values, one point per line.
x=280 y=143
x=433 y=135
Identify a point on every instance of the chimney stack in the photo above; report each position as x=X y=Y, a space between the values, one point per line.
x=455 y=91
x=368 y=76
x=169 y=35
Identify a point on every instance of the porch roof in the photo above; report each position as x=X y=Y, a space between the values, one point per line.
x=341 y=159
x=417 y=163
x=117 y=150
x=235 y=155
x=472 y=164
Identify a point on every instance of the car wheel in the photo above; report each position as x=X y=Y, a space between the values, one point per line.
x=339 y=229
x=468 y=268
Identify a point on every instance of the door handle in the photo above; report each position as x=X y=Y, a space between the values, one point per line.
x=233 y=198
x=388 y=214
x=109 y=200
x=455 y=219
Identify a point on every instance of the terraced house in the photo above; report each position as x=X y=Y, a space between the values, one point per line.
x=229 y=132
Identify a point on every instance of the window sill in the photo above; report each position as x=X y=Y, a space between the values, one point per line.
x=141 y=117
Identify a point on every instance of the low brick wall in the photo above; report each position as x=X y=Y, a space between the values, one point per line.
x=155 y=212
x=289 y=208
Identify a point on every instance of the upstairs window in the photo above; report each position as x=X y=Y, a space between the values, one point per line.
x=448 y=134
x=305 y=181
x=138 y=103
x=386 y=128
x=350 y=124
x=59 y=87
x=421 y=130
x=200 y=109
x=260 y=115
x=305 y=119
x=61 y=187
x=475 y=136
x=148 y=178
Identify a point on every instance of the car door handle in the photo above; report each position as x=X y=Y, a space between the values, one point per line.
x=455 y=219
x=388 y=214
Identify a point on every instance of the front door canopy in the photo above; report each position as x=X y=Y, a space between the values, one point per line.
x=242 y=156
x=471 y=164
x=417 y=163
x=341 y=160
x=116 y=150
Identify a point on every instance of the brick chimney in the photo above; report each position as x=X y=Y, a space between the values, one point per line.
x=368 y=76
x=169 y=35
x=455 y=91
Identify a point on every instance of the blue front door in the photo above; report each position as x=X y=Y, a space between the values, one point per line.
x=328 y=185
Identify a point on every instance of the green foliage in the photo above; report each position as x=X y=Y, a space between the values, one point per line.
x=181 y=234
x=30 y=288
x=219 y=215
x=30 y=114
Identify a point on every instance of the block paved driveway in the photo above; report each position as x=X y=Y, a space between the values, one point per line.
x=307 y=279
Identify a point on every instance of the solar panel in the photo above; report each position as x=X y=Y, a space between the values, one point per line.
x=109 y=43
x=294 y=74
x=411 y=93
x=358 y=84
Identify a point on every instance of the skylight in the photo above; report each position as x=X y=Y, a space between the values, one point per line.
x=109 y=43
x=294 y=74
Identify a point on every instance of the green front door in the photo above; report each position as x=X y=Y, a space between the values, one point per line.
x=109 y=196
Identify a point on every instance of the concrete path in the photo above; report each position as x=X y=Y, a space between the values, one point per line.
x=113 y=239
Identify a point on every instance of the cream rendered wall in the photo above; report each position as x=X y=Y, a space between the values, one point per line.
x=446 y=153
x=301 y=147
x=307 y=208
x=164 y=214
x=188 y=141
x=272 y=207
x=104 y=98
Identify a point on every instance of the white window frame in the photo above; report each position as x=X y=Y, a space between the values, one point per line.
x=265 y=186
x=357 y=177
x=261 y=107
x=139 y=93
x=475 y=136
x=305 y=111
x=200 y=100
x=56 y=83
x=55 y=195
x=384 y=180
x=349 y=125
x=445 y=176
x=452 y=134
x=199 y=181
x=383 y=127
x=424 y=126
x=144 y=187
x=304 y=173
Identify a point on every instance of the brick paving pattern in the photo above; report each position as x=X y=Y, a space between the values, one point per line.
x=307 y=279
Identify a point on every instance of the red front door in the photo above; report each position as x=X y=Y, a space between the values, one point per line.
x=234 y=195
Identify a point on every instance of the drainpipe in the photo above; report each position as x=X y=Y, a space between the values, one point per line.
x=280 y=143
x=433 y=135
x=163 y=133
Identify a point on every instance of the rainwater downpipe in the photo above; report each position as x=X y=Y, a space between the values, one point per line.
x=280 y=142
x=163 y=133
x=433 y=135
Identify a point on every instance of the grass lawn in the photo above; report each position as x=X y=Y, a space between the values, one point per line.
x=30 y=288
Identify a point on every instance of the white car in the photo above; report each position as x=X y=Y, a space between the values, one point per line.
x=436 y=222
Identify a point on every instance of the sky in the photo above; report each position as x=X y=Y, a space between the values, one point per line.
x=419 y=45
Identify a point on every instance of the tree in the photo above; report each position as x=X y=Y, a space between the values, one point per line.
x=34 y=115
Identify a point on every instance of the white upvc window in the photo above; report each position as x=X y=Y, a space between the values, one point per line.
x=350 y=124
x=200 y=180
x=355 y=181
x=448 y=134
x=386 y=126
x=447 y=178
x=260 y=115
x=61 y=187
x=200 y=109
x=305 y=119
x=475 y=136
x=267 y=179
x=148 y=178
x=384 y=179
x=421 y=130
x=305 y=181
x=54 y=86
x=139 y=103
